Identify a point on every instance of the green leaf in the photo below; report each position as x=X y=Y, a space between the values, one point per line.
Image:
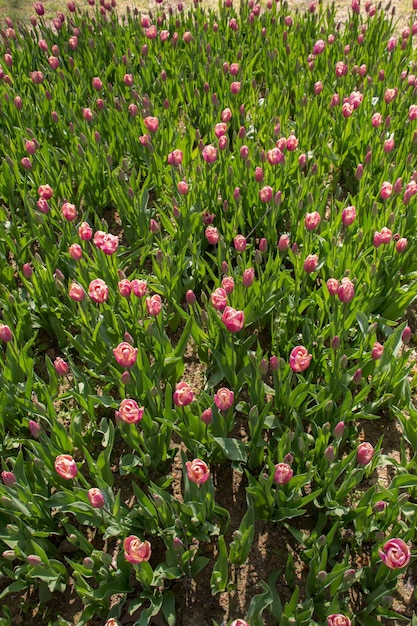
x=233 y=449
x=168 y=607
x=220 y=574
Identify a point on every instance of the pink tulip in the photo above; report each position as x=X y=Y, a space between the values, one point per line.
x=219 y=299
x=75 y=251
x=96 y=83
x=85 y=231
x=283 y=242
x=346 y=290
x=299 y=359
x=224 y=399
x=365 y=452
x=39 y=8
x=8 y=478
x=240 y=243
x=235 y=88
x=183 y=394
x=125 y=354
x=395 y=553
x=125 y=287
x=96 y=498
x=220 y=129
x=135 y=550
x=312 y=220
x=332 y=286
x=207 y=416
x=35 y=429
x=45 y=191
x=401 y=245
x=6 y=334
x=348 y=215
x=61 y=367
x=98 y=291
x=209 y=154
x=76 y=292
x=319 y=46
x=377 y=350
x=275 y=156
x=266 y=193
x=197 y=471
x=228 y=284
x=65 y=466
x=190 y=297
x=386 y=190
x=139 y=287
x=175 y=158
x=233 y=320
x=248 y=277
x=151 y=123
x=212 y=235
x=182 y=187
x=27 y=270
x=154 y=305
x=311 y=263
x=282 y=474
x=69 y=211
x=292 y=143
x=337 y=619
x=129 y=411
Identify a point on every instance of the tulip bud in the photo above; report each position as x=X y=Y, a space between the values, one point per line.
x=349 y=576
x=88 y=562
x=329 y=454
x=406 y=335
x=339 y=429
x=321 y=576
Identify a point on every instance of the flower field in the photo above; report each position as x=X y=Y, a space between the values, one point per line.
x=208 y=269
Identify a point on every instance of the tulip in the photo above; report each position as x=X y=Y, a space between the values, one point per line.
x=365 y=452
x=197 y=471
x=96 y=498
x=337 y=619
x=224 y=399
x=129 y=411
x=98 y=291
x=282 y=474
x=125 y=354
x=395 y=553
x=6 y=334
x=299 y=359
x=65 y=466
x=183 y=394
x=135 y=550
x=61 y=367
x=233 y=320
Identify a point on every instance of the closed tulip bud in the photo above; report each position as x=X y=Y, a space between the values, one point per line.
x=321 y=576
x=329 y=454
x=177 y=544
x=335 y=342
x=9 y=555
x=339 y=429
x=406 y=335
x=343 y=361
x=349 y=576
x=263 y=367
x=34 y=559
x=274 y=363
x=88 y=562
x=207 y=416
x=258 y=257
x=322 y=540
x=379 y=506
